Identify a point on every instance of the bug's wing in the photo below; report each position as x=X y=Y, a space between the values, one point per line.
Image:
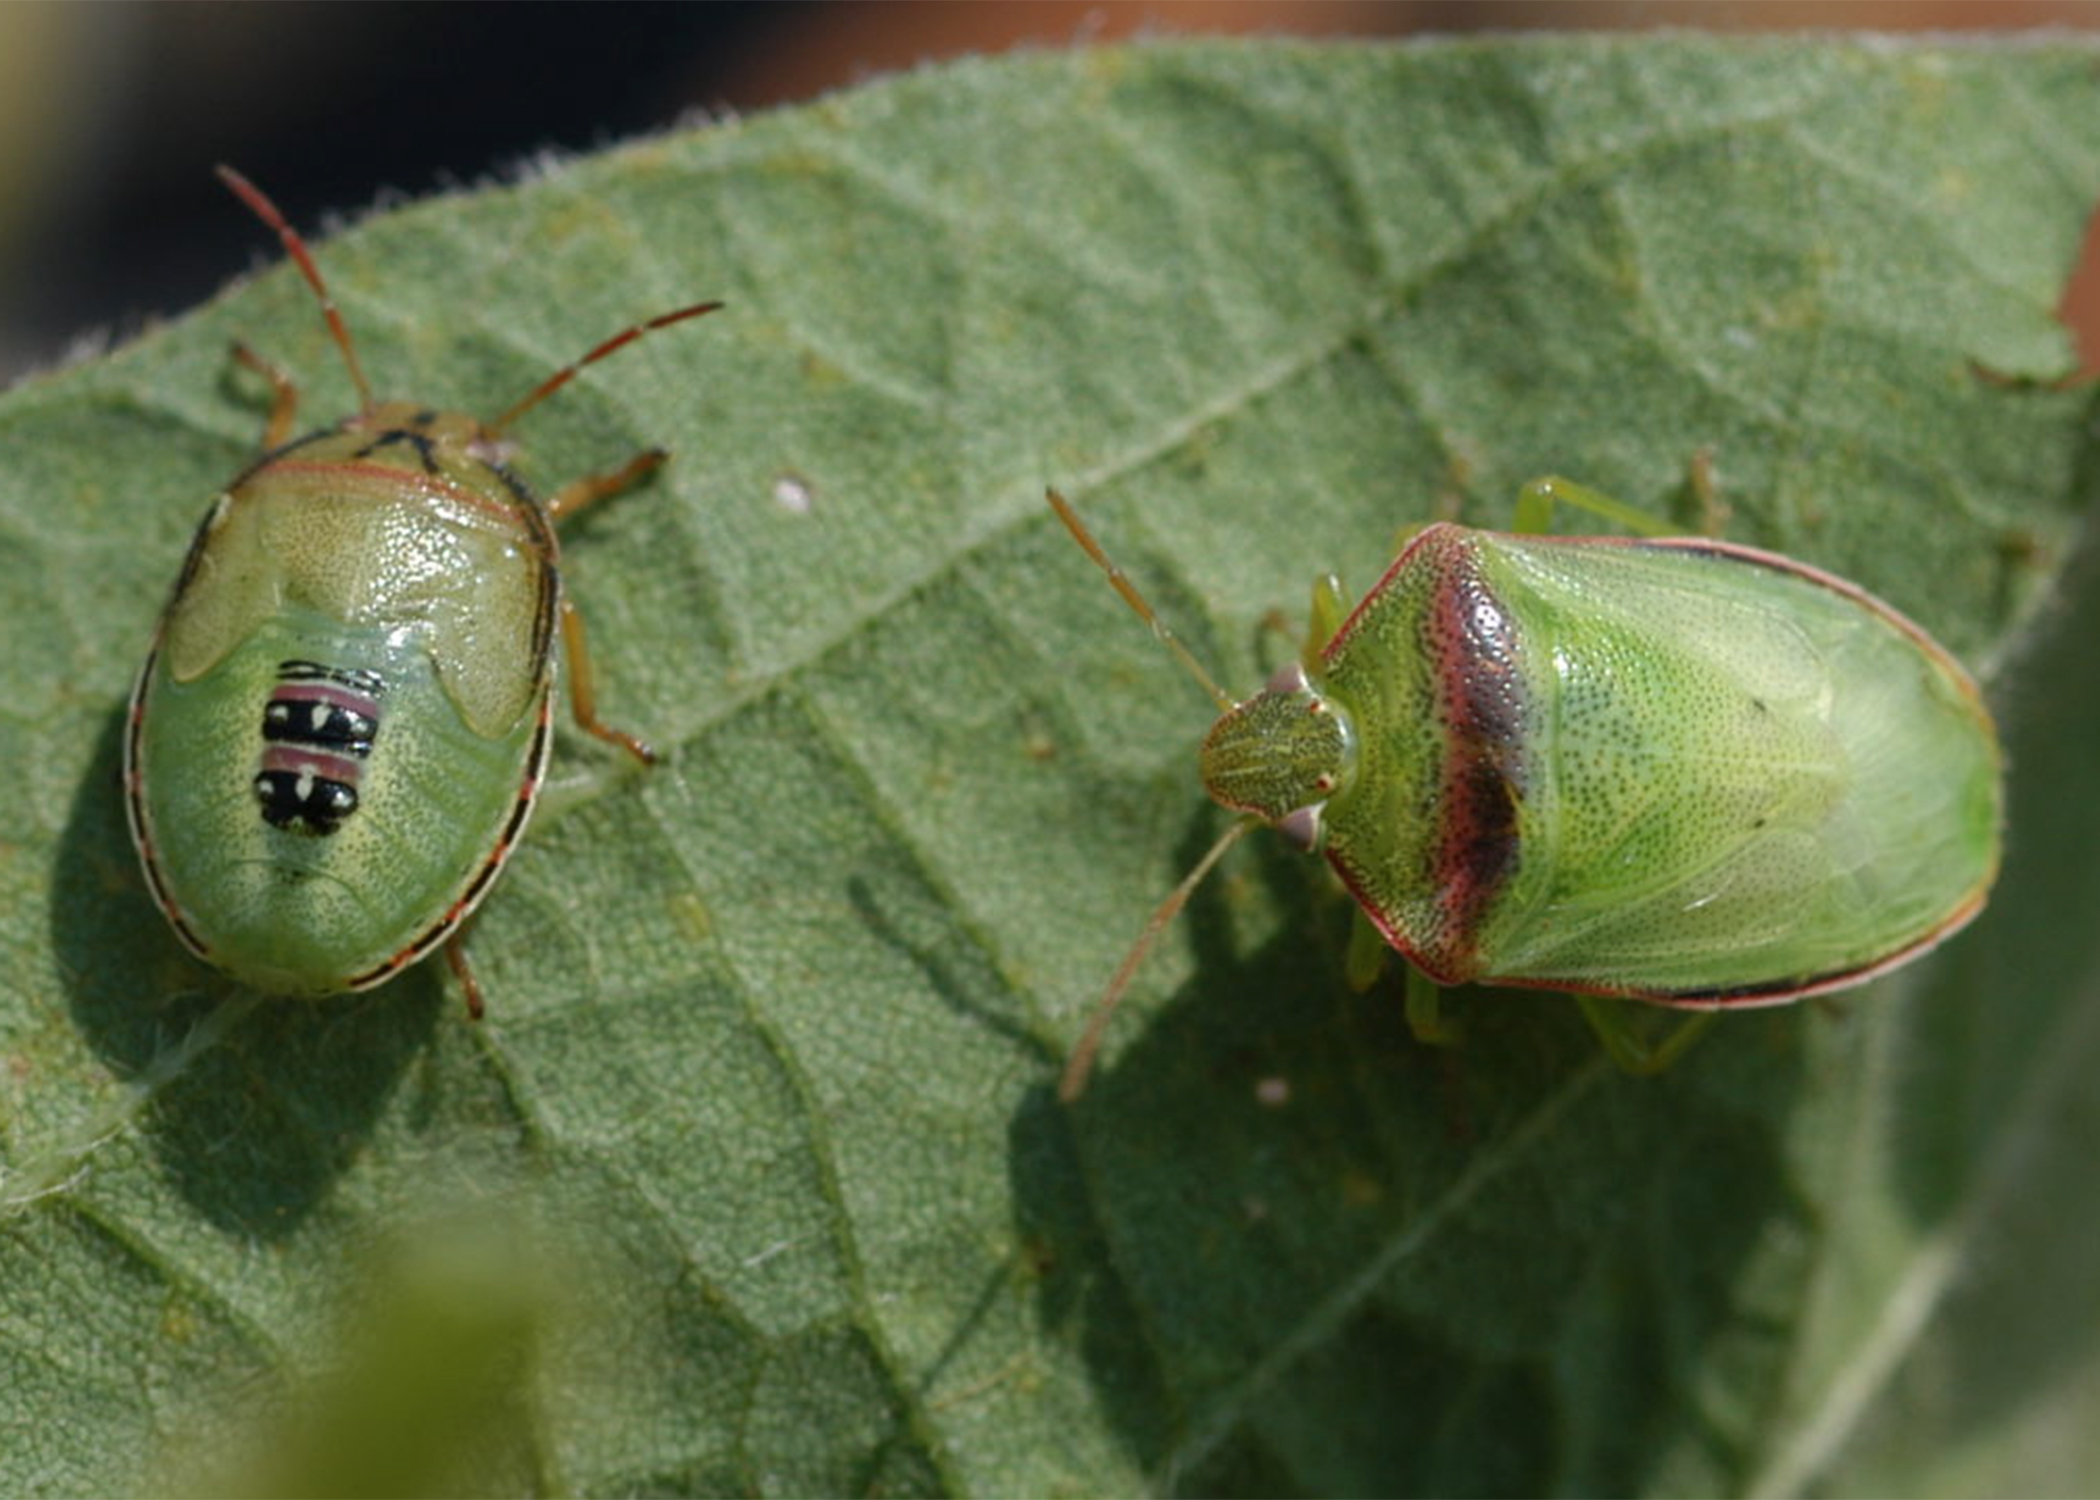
x=373 y=552
x=228 y=586
x=1750 y=778
x=490 y=638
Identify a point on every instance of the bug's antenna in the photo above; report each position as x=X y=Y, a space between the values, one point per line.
x=295 y=247
x=567 y=372
x=1225 y=701
x=1080 y=1065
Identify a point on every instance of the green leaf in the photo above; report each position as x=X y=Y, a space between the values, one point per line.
x=762 y=1114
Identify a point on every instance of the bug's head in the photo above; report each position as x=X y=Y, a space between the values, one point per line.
x=1281 y=755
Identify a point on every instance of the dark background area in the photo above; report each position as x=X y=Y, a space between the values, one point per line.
x=112 y=114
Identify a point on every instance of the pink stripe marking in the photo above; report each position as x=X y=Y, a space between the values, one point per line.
x=344 y=768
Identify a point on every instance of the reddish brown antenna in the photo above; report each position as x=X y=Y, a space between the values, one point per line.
x=295 y=247
x=1137 y=602
x=1080 y=1065
x=567 y=373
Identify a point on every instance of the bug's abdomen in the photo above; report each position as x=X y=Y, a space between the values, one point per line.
x=314 y=812
x=318 y=729
x=1749 y=781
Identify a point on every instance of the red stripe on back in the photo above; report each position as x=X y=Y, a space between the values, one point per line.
x=1481 y=706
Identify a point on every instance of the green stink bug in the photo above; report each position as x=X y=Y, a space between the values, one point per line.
x=1654 y=768
x=341 y=727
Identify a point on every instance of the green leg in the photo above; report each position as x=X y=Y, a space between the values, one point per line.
x=1425 y=1015
x=1425 y=997
x=1425 y=1011
x=1713 y=510
x=1623 y=1040
x=1330 y=607
x=1535 y=502
x=1367 y=951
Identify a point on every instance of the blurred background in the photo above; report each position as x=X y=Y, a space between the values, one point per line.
x=112 y=114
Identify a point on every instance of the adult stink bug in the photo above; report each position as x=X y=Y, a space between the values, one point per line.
x=340 y=730
x=1654 y=768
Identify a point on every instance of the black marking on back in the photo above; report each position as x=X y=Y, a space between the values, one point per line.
x=324 y=726
x=534 y=515
x=301 y=802
x=264 y=460
x=358 y=679
x=318 y=727
x=419 y=442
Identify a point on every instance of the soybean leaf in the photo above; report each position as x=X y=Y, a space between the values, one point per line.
x=753 y=1180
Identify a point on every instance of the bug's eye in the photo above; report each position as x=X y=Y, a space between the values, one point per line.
x=1324 y=783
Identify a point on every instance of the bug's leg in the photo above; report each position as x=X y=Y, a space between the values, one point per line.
x=1713 y=510
x=572 y=497
x=583 y=693
x=1425 y=1012
x=1635 y=1053
x=1535 y=502
x=1330 y=608
x=1274 y=622
x=456 y=958
x=284 y=403
x=1367 y=951
x=580 y=493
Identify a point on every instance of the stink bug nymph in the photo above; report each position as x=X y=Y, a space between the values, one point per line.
x=341 y=727
x=1652 y=768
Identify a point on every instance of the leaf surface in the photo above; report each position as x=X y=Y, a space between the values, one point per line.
x=763 y=1106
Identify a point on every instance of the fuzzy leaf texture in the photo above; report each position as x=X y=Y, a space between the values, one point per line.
x=754 y=1179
